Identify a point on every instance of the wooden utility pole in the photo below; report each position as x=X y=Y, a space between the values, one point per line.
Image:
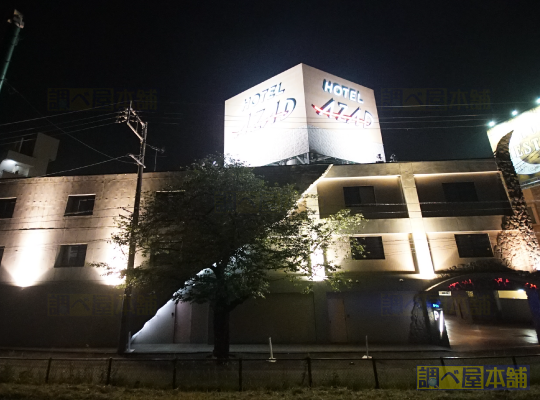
x=140 y=129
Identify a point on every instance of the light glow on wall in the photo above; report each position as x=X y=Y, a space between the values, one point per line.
x=423 y=256
x=117 y=260
x=29 y=266
x=317 y=265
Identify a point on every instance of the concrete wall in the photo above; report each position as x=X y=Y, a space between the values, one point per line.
x=515 y=310
x=33 y=236
x=89 y=311
x=406 y=239
x=388 y=195
x=397 y=250
x=444 y=250
x=285 y=317
x=371 y=313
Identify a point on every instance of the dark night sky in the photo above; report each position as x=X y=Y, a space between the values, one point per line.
x=198 y=54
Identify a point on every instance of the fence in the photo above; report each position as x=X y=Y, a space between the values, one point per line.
x=240 y=374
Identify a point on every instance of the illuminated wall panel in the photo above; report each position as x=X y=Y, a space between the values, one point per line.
x=303 y=110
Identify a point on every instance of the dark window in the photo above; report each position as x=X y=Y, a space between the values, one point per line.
x=460 y=192
x=71 y=255
x=80 y=205
x=477 y=245
x=1 y=253
x=27 y=147
x=359 y=195
x=372 y=246
x=6 y=207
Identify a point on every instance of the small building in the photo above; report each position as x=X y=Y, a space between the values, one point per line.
x=28 y=157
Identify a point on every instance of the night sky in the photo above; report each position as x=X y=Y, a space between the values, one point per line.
x=196 y=54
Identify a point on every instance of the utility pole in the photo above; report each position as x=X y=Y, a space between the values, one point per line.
x=18 y=24
x=140 y=129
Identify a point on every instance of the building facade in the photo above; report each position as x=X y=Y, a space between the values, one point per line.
x=422 y=217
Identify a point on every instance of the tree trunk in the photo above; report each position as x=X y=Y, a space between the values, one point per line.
x=221 y=332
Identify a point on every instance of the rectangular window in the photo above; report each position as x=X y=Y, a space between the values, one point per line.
x=476 y=245
x=7 y=206
x=460 y=192
x=1 y=253
x=71 y=255
x=359 y=195
x=372 y=248
x=80 y=205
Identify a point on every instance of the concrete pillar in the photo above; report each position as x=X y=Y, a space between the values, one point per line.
x=462 y=306
x=422 y=253
x=534 y=306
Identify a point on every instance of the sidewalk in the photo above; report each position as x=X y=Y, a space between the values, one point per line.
x=283 y=348
x=280 y=350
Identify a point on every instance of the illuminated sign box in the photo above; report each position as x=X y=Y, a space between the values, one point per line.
x=524 y=143
x=299 y=111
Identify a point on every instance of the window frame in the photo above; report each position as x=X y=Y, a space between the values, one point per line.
x=10 y=203
x=63 y=255
x=70 y=206
x=367 y=255
x=359 y=194
x=474 y=248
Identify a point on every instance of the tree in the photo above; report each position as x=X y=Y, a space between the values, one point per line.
x=216 y=234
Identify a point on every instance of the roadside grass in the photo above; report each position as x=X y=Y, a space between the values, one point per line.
x=13 y=391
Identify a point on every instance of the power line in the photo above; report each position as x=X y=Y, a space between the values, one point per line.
x=7 y=181
x=52 y=123
x=65 y=113
x=55 y=130
x=78 y=130
x=59 y=123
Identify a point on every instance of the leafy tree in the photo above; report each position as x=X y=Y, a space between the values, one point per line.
x=219 y=232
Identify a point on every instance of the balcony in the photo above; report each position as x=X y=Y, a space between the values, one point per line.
x=465 y=209
x=380 y=210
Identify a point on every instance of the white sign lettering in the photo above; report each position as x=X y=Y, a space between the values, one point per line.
x=343 y=91
x=261 y=97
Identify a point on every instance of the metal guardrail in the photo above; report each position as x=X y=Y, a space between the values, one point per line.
x=236 y=373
